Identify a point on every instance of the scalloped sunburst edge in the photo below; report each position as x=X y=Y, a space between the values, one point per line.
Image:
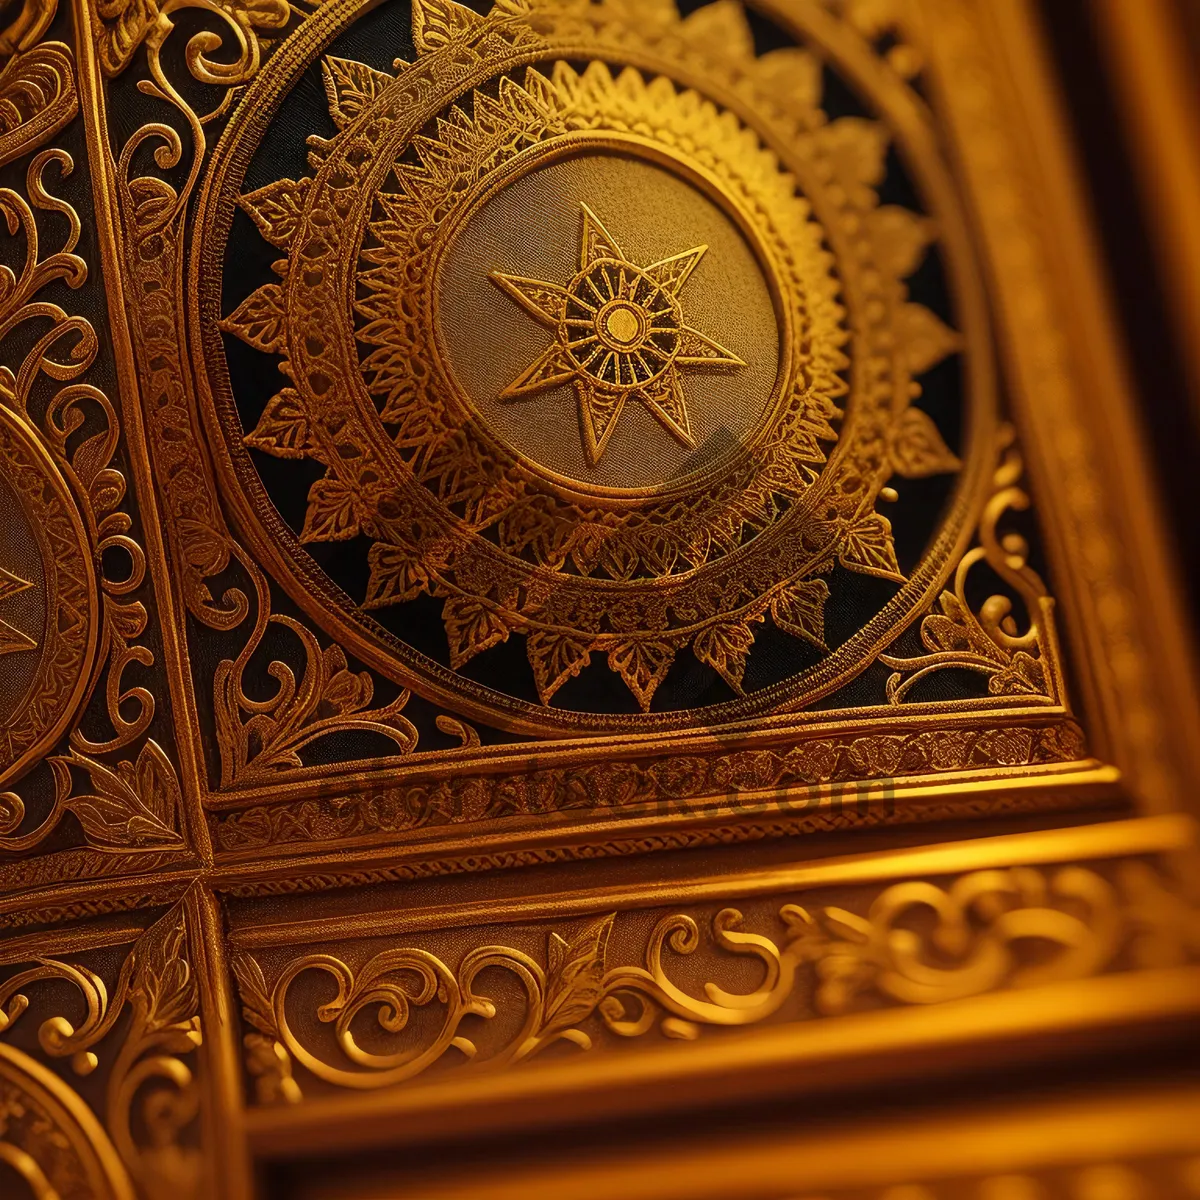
x=401 y=572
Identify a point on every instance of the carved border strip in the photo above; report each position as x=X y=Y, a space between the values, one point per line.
x=991 y=901
x=1163 y=835
x=866 y=809
x=612 y=792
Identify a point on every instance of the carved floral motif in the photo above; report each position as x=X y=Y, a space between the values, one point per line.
x=672 y=782
x=261 y=737
x=1015 y=927
x=696 y=564
x=151 y=1094
x=1015 y=663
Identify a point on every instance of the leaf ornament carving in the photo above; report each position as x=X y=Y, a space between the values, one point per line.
x=875 y=19
x=925 y=339
x=278 y=208
x=990 y=643
x=266 y=1057
x=282 y=429
x=917 y=448
x=259 y=320
x=556 y=658
x=472 y=626
x=990 y=929
x=151 y=1094
x=134 y=807
x=868 y=548
x=262 y=737
x=438 y=23
x=350 y=87
x=799 y=609
x=575 y=976
x=642 y=665
x=725 y=648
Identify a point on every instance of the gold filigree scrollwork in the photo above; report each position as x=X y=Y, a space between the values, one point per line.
x=79 y=431
x=153 y=210
x=136 y=804
x=130 y=709
x=151 y=202
x=991 y=643
x=37 y=98
x=37 y=81
x=124 y=25
x=983 y=925
x=153 y=207
x=258 y=738
x=157 y=988
x=135 y=807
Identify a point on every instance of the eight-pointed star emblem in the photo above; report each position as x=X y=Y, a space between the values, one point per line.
x=619 y=336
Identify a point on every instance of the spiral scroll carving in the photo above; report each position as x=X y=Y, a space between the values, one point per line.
x=982 y=933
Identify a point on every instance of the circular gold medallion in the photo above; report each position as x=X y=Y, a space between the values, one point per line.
x=599 y=358
x=48 y=604
x=49 y=1139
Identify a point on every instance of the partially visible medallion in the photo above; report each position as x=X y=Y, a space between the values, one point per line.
x=48 y=602
x=51 y=1145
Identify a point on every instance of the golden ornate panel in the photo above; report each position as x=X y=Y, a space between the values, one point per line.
x=561 y=559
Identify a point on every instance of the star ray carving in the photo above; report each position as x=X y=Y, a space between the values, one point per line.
x=620 y=337
x=12 y=639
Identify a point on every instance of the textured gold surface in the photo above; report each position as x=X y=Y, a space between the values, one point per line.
x=1108 y=1147
x=622 y=336
x=695 y=562
x=278 y=878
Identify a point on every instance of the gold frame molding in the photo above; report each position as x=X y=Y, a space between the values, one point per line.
x=230 y=938
x=1136 y=1144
